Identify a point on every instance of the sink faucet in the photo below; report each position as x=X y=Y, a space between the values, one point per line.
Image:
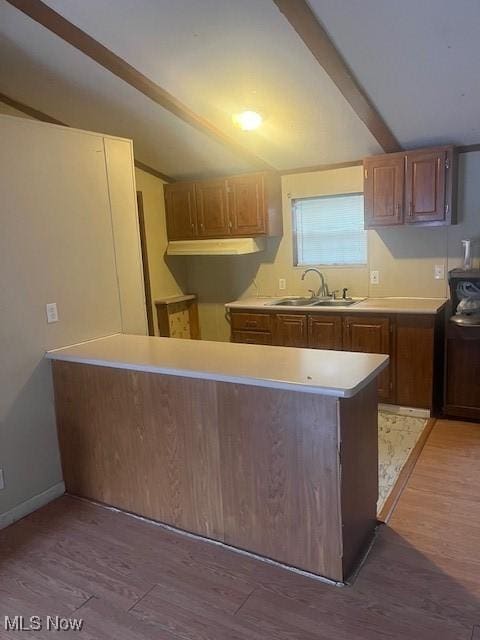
x=322 y=289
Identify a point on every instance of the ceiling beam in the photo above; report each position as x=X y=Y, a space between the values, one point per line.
x=468 y=148
x=44 y=117
x=30 y=111
x=63 y=28
x=158 y=174
x=306 y=24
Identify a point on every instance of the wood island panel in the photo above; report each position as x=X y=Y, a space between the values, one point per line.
x=280 y=476
x=359 y=471
x=146 y=443
x=258 y=468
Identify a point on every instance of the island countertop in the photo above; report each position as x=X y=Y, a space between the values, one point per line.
x=333 y=373
x=428 y=306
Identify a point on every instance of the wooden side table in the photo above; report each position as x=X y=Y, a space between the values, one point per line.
x=178 y=317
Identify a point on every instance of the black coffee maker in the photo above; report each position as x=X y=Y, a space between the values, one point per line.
x=465 y=296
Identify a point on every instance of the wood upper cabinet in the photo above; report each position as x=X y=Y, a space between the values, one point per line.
x=384 y=178
x=212 y=209
x=181 y=211
x=425 y=186
x=291 y=330
x=411 y=187
x=246 y=198
x=325 y=332
x=372 y=335
x=236 y=206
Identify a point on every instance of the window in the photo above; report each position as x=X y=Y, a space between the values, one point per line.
x=329 y=230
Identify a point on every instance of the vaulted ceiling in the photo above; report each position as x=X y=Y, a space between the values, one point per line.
x=416 y=60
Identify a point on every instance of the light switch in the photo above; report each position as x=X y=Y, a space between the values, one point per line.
x=282 y=284
x=439 y=272
x=52 y=312
x=374 y=277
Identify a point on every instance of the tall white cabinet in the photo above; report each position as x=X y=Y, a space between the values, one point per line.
x=68 y=234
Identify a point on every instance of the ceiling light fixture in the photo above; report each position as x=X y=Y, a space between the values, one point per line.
x=247 y=120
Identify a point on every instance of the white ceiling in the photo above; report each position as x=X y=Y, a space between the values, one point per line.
x=415 y=58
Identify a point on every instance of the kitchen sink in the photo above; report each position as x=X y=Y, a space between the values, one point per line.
x=296 y=302
x=342 y=302
x=314 y=302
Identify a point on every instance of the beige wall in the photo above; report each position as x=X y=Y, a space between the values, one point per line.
x=167 y=275
x=64 y=219
x=405 y=257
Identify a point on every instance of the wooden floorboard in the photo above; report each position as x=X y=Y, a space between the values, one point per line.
x=129 y=579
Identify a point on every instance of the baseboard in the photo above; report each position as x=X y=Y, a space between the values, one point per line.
x=31 y=505
x=405 y=411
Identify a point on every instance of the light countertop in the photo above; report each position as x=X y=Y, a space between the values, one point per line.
x=333 y=373
x=369 y=305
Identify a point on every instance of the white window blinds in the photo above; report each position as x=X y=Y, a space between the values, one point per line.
x=329 y=230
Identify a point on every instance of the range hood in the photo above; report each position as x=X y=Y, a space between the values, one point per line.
x=219 y=247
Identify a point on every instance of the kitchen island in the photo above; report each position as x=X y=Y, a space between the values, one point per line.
x=267 y=449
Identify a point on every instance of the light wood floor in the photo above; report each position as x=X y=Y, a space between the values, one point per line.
x=130 y=579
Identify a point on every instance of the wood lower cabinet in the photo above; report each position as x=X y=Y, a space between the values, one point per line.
x=234 y=206
x=247 y=321
x=462 y=395
x=325 y=332
x=415 y=355
x=291 y=330
x=411 y=187
x=372 y=335
x=413 y=342
x=252 y=337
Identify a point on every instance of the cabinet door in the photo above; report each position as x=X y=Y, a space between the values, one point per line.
x=252 y=337
x=384 y=179
x=248 y=321
x=463 y=372
x=372 y=335
x=247 y=205
x=414 y=355
x=180 y=211
x=291 y=330
x=212 y=209
x=425 y=188
x=325 y=332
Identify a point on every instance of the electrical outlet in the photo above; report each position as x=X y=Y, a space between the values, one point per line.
x=374 y=277
x=282 y=284
x=439 y=272
x=2 y=481
x=52 y=312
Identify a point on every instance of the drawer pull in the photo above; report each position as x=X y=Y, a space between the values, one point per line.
x=251 y=323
